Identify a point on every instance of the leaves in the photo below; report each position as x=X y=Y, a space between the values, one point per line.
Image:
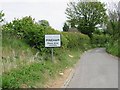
x=1 y=16
x=65 y=27
x=86 y=15
x=26 y=28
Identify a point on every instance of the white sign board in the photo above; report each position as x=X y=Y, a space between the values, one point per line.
x=52 y=40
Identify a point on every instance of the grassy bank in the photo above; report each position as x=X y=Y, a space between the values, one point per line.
x=25 y=60
x=38 y=73
x=24 y=66
x=113 y=48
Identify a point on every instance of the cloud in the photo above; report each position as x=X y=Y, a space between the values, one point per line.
x=54 y=12
x=34 y=1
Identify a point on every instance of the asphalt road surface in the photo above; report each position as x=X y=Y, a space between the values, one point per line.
x=96 y=69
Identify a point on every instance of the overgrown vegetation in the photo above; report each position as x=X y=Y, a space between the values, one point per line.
x=36 y=74
x=113 y=29
x=1 y=16
x=85 y=15
x=102 y=28
x=28 y=61
x=99 y=40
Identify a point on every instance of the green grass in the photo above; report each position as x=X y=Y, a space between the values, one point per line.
x=27 y=75
x=15 y=52
x=39 y=72
x=18 y=72
x=0 y=57
x=113 y=48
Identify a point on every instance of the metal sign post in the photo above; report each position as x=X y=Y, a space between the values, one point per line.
x=52 y=54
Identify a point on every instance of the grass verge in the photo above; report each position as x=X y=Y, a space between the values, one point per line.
x=113 y=48
x=38 y=73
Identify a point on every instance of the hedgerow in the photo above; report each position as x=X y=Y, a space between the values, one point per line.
x=77 y=40
x=28 y=30
x=33 y=34
x=99 y=40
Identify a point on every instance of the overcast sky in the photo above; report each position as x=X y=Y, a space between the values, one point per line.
x=51 y=10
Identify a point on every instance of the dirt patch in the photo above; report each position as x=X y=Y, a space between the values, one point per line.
x=59 y=82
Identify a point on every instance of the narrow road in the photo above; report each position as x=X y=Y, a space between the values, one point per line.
x=96 y=69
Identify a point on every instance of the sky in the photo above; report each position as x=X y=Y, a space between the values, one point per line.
x=51 y=10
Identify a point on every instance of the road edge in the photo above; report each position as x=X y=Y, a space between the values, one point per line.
x=73 y=71
x=68 y=79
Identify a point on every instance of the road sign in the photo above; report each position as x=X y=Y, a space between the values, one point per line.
x=52 y=40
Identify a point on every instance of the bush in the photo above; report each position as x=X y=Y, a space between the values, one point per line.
x=99 y=40
x=113 y=48
x=76 y=40
x=33 y=34
x=28 y=30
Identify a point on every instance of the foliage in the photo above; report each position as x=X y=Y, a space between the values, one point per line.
x=99 y=40
x=30 y=34
x=65 y=27
x=114 y=31
x=44 y=23
x=28 y=76
x=113 y=24
x=99 y=32
x=113 y=48
x=1 y=16
x=80 y=40
x=28 y=30
x=86 y=15
x=15 y=52
x=33 y=34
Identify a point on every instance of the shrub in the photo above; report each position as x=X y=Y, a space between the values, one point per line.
x=76 y=40
x=99 y=40
x=33 y=34
x=28 y=30
x=113 y=48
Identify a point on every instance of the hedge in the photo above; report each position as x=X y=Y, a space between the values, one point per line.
x=77 y=40
x=33 y=34
x=99 y=40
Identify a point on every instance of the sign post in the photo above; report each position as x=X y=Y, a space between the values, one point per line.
x=52 y=41
x=52 y=55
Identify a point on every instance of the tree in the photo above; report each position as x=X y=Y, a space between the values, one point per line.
x=114 y=20
x=1 y=16
x=86 y=15
x=65 y=27
x=44 y=23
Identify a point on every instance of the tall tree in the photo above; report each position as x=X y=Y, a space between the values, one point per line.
x=86 y=15
x=114 y=20
x=65 y=27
